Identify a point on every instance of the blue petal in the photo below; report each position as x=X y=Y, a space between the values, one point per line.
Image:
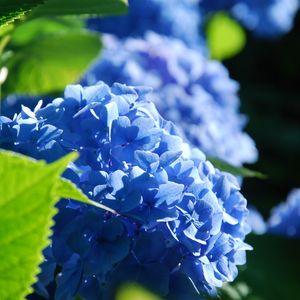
x=169 y=193
x=147 y=160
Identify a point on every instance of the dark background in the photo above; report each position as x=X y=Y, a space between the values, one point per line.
x=268 y=73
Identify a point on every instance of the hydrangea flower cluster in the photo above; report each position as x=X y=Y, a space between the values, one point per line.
x=177 y=214
x=167 y=17
x=267 y=18
x=190 y=90
x=285 y=218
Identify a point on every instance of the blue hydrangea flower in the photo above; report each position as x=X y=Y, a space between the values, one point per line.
x=285 y=218
x=256 y=221
x=177 y=214
x=209 y=6
x=13 y=103
x=167 y=17
x=268 y=18
x=190 y=90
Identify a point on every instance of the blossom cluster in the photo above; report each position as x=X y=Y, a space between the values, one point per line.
x=267 y=18
x=285 y=218
x=194 y=92
x=176 y=214
x=167 y=17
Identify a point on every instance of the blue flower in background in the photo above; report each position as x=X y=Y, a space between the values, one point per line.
x=256 y=221
x=285 y=218
x=12 y=104
x=267 y=18
x=209 y=6
x=190 y=90
x=177 y=213
x=167 y=17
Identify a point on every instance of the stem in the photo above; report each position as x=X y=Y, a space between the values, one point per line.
x=104 y=207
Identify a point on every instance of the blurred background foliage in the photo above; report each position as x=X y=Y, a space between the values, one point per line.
x=268 y=73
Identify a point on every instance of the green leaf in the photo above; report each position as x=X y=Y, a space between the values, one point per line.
x=66 y=189
x=47 y=64
x=237 y=171
x=14 y=9
x=36 y=29
x=79 y=7
x=225 y=37
x=27 y=199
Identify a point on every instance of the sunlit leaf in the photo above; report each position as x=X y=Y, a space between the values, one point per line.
x=66 y=189
x=27 y=199
x=48 y=64
x=14 y=9
x=225 y=37
x=79 y=7
x=237 y=171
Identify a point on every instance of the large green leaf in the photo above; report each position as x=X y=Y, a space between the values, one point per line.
x=71 y=7
x=13 y=9
x=47 y=64
x=35 y=29
x=29 y=190
x=27 y=198
x=237 y=171
x=225 y=37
